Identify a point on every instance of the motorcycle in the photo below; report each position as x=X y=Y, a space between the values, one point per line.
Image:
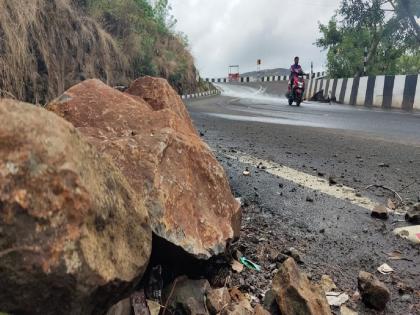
x=296 y=94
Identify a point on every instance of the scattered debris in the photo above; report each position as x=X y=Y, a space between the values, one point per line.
x=249 y=264
x=396 y=255
x=411 y=233
x=327 y=284
x=380 y=212
x=246 y=172
x=374 y=293
x=383 y=165
x=385 y=269
x=295 y=294
x=336 y=298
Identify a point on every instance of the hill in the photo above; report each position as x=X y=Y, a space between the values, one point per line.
x=50 y=45
x=267 y=72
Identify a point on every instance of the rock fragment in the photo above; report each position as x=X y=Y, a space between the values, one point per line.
x=380 y=212
x=259 y=310
x=327 y=284
x=374 y=293
x=217 y=300
x=186 y=296
x=150 y=137
x=413 y=215
x=295 y=294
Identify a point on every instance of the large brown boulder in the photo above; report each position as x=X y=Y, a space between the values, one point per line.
x=185 y=189
x=296 y=295
x=159 y=95
x=73 y=235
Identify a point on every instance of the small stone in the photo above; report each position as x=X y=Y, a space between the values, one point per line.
x=236 y=309
x=281 y=258
x=321 y=174
x=259 y=310
x=383 y=165
x=413 y=215
x=327 y=284
x=390 y=204
x=270 y=303
x=309 y=199
x=356 y=296
x=374 y=293
x=186 y=295
x=380 y=212
x=294 y=253
x=406 y=298
x=217 y=299
x=121 y=308
x=332 y=181
x=154 y=307
x=345 y=310
x=295 y=294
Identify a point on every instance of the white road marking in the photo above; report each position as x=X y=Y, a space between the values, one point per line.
x=306 y=180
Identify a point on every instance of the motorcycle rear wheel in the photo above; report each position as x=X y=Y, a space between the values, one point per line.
x=290 y=101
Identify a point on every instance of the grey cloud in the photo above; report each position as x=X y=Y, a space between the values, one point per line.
x=223 y=32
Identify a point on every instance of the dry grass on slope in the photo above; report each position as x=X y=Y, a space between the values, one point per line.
x=46 y=46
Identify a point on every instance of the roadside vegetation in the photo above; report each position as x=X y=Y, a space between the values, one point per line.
x=387 y=28
x=48 y=46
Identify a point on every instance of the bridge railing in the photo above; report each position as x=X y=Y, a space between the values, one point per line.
x=272 y=78
x=391 y=91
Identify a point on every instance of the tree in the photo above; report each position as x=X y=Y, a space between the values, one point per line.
x=387 y=27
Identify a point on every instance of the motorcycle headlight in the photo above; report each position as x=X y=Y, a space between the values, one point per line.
x=300 y=85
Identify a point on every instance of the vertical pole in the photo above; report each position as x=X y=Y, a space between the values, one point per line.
x=365 y=61
x=312 y=69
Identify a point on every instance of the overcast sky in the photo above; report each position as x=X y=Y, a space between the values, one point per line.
x=223 y=32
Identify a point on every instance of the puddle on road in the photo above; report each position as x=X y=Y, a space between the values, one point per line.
x=249 y=93
x=306 y=180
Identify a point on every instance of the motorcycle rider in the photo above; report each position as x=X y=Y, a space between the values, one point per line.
x=295 y=69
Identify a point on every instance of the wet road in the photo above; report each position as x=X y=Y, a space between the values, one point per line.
x=256 y=104
x=291 y=154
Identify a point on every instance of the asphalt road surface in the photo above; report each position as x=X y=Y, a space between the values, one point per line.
x=311 y=170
